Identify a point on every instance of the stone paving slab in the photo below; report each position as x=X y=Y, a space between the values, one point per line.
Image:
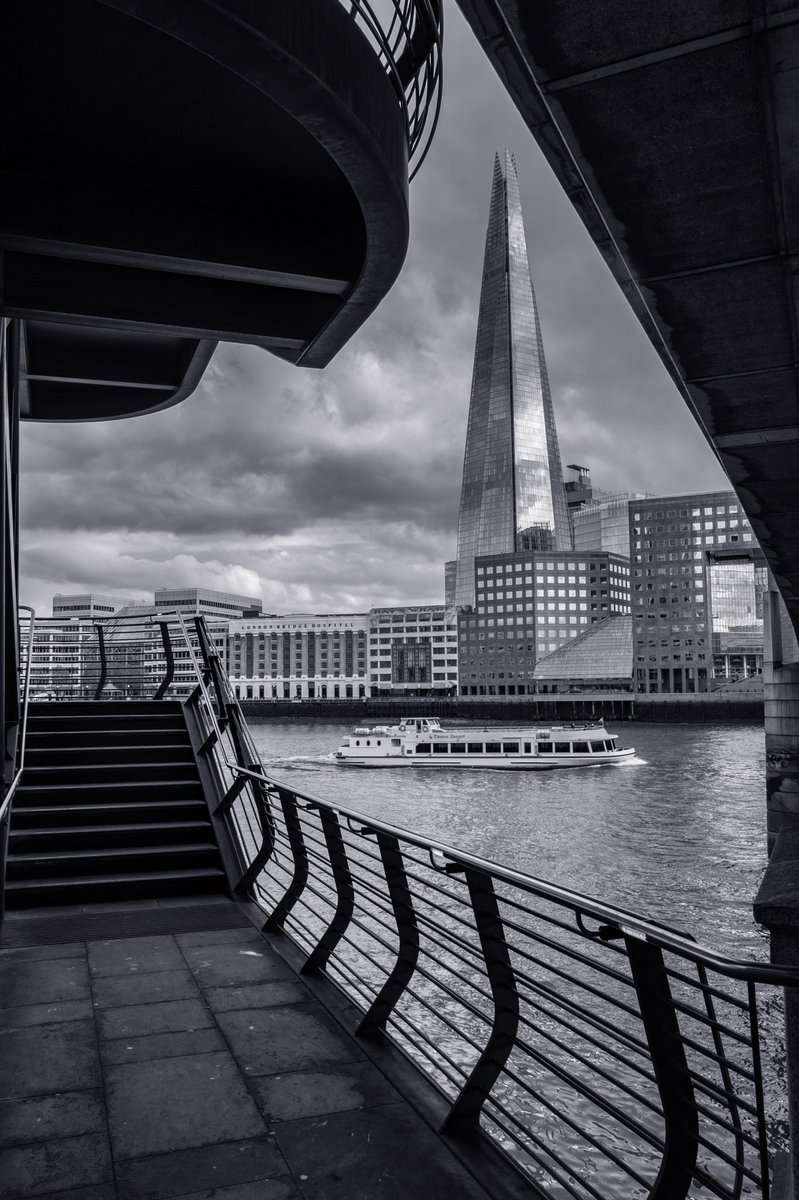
x=43 y=981
x=48 y=1058
x=196 y=1067
x=41 y=1118
x=114 y=991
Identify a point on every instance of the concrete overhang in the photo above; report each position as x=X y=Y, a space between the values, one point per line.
x=174 y=174
x=674 y=131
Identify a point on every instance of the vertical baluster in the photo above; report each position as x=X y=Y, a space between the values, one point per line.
x=465 y=1113
x=101 y=682
x=671 y=1070
x=169 y=674
x=299 y=852
x=345 y=895
x=267 y=823
x=402 y=904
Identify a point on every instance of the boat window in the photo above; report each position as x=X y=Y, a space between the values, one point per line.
x=562 y=748
x=597 y=747
x=368 y=742
x=423 y=748
x=510 y=747
x=493 y=747
x=475 y=747
x=609 y=745
x=528 y=749
x=457 y=748
x=379 y=742
x=441 y=747
x=580 y=747
x=544 y=747
x=357 y=741
x=396 y=741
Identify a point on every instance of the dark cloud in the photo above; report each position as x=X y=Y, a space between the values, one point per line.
x=339 y=489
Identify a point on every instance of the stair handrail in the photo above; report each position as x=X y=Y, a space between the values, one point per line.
x=5 y=807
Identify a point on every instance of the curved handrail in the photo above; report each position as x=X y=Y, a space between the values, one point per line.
x=5 y=807
x=410 y=50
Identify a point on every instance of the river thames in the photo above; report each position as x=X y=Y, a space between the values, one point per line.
x=678 y=834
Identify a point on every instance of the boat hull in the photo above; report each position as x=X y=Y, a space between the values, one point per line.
x=499 y=762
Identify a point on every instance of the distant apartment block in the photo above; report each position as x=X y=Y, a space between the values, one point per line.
x=205 y=602
x=88 y=604
x=527 y=605
x=413 y=650
x=698 y=579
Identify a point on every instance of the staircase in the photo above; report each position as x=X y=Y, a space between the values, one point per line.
x=110 y=808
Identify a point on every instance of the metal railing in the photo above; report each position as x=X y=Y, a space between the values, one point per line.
x=24 y=670
x=606 y=1054
x=407 y=36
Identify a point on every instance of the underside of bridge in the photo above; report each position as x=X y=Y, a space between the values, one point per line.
x=673 y=130
x=177 y=174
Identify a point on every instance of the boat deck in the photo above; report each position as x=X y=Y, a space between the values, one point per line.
x=173 y=1051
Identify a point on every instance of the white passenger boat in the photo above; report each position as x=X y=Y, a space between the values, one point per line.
x=421 y=742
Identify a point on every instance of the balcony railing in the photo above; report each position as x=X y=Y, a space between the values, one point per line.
x=407 y=35
x=606 y=1054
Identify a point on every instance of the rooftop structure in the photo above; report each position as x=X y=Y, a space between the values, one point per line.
x=512 y=495
x=599 y=658
x=207 y=602
x=88 y=604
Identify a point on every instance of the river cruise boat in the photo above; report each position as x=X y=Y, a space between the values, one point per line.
x=421 y=742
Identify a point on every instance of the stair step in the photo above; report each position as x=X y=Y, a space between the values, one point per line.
x=46 y=838
x=139 y=886
x=129 y=708
x=106 y=752
x=60 y=864
x=122 y=772
x=126 y=811
x=155 y=792
x=66 y=722
x=114 y=735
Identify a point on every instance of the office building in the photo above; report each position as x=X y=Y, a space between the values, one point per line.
x=300 y=656
x=526 y=606
x=88 y=604
x=413 y=650
x=603 y=523
x=697 y=573
x=512 y=495
x=205 y=602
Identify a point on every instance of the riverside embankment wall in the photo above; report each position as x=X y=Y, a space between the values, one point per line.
x=621 y=707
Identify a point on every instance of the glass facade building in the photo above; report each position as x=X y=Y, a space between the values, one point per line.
x=697 y=574
x=512 y=495
x=527 y=605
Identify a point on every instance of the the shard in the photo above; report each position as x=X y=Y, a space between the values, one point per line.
x=512 y=495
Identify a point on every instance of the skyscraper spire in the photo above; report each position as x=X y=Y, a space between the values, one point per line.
x=512 y=495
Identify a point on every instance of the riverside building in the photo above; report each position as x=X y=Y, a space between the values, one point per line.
x=512 y=495
x=413 y=650
x=527 y=605
x=300 y=656
x=698 y=577
x=88 y=604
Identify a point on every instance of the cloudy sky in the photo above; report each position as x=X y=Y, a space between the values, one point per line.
x=338 y=490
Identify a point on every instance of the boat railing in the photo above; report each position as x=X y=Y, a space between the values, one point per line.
x=606 y=1054
x=24 y=670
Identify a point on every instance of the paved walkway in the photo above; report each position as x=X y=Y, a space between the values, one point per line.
x=196 y=1065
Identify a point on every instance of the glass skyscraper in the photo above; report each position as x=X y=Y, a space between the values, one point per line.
x=512 y=496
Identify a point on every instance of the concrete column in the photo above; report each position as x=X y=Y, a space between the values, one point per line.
x=781 y=697
x=777 y=907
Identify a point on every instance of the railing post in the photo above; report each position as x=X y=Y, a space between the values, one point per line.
x=249 y=877
x=465 y=1113
x=402 y=904
x=299 y=852
x=170 y=661
x=671 y=1070
x=101 y=682
x=345 y=895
